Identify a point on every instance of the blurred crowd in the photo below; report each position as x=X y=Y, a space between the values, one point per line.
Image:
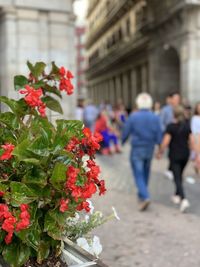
x=105 y=119
x=173 y=128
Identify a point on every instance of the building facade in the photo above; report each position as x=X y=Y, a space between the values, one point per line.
x=137 y=45
x=36 y=30
x=80 y=62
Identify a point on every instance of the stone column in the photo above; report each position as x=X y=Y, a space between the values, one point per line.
x=8 y=52
x=144 y=78
x=62 y=51
x=118 y=88
x=125 y=89
x=190 y=69
x=133 y=86
x=37 y=30
x=111 y=89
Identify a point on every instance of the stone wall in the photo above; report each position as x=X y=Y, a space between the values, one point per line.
x=36 y=30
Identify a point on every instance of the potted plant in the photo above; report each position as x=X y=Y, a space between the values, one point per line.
x=47 y=171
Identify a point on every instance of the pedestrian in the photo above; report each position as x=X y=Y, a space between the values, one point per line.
x=79 y=110
x=90 y=114
x=144 y=128
x=109 y=133
x=177 y=137
x=166 y=117
x=120 y=116
x=195 y=127
x=157 y=108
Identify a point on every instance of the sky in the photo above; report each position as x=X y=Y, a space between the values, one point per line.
x=80 y=9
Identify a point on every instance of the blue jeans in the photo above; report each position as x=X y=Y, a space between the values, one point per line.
x=141 y=163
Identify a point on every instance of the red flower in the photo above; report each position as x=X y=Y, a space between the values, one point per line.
x=8 y=149
x=94 y=171
x=72 y=144
x=102 y=188
x=24 y=207
x=76 y=192
x=66 y=85
x=69 y=75
x=64 y=204
x=32 y=98
x=89 y=190
x=84 y=205
x=62 y=71
x=25 y=218
x=3 y=210
x=8 y=238
x=9 y=223
x=87 y=132
x=65 y=81
x=1 y=193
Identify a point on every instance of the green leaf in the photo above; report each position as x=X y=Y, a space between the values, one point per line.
x=3 y=187
x=21 y=193
x=54 y=223
x=11 y=103
x=20 y=81
x=9 y=119
x=38 y=84
x=16 y=254
x=35 y=176
x=39 y=146
x=55 y=69
x=52 y=89
x=71 y=126
x=52 y=104
x=19 y=108
x=59 y=175
x=23 y=154
x=36 y=69
x=43 y=251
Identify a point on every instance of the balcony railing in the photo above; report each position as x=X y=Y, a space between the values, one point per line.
x=116 y=54
x=114 y=13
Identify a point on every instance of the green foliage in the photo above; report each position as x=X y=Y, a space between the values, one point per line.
x=34 y=171
x=16 y=254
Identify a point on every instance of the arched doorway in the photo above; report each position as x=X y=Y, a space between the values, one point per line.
x=168 y=73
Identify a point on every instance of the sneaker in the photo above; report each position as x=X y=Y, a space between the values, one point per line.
x=176 y=199
x=144 y=205
x=168 y=174
x=185 y=204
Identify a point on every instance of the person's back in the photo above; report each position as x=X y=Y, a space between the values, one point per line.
x=166 y=116
x=144 y=128
x=179 y=144
x=89 y=115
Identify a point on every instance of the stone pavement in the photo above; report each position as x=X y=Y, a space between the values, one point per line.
x=162 y=236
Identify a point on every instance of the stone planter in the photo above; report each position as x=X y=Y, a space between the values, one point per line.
x=74 y=256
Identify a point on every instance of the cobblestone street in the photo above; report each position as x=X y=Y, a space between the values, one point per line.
x=162 y=236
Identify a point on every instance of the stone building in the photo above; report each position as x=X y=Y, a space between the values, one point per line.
x=36 y=30
x=80 y=62
x=138 y=45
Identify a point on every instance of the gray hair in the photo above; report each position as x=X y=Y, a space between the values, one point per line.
x=144 y=101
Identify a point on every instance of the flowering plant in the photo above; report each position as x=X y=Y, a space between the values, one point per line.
x=47 y=172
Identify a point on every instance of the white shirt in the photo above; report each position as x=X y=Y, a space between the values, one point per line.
x=195 y=124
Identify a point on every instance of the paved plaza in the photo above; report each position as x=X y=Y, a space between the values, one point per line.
x=162 y=236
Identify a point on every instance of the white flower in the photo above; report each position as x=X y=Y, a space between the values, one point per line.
x=87 y=217
x=115 y=214
x=82 y=242
x=73 y=220
x=96 y=246
x=91 y=206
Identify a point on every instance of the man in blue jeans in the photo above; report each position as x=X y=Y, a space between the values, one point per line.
x=144 y=128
